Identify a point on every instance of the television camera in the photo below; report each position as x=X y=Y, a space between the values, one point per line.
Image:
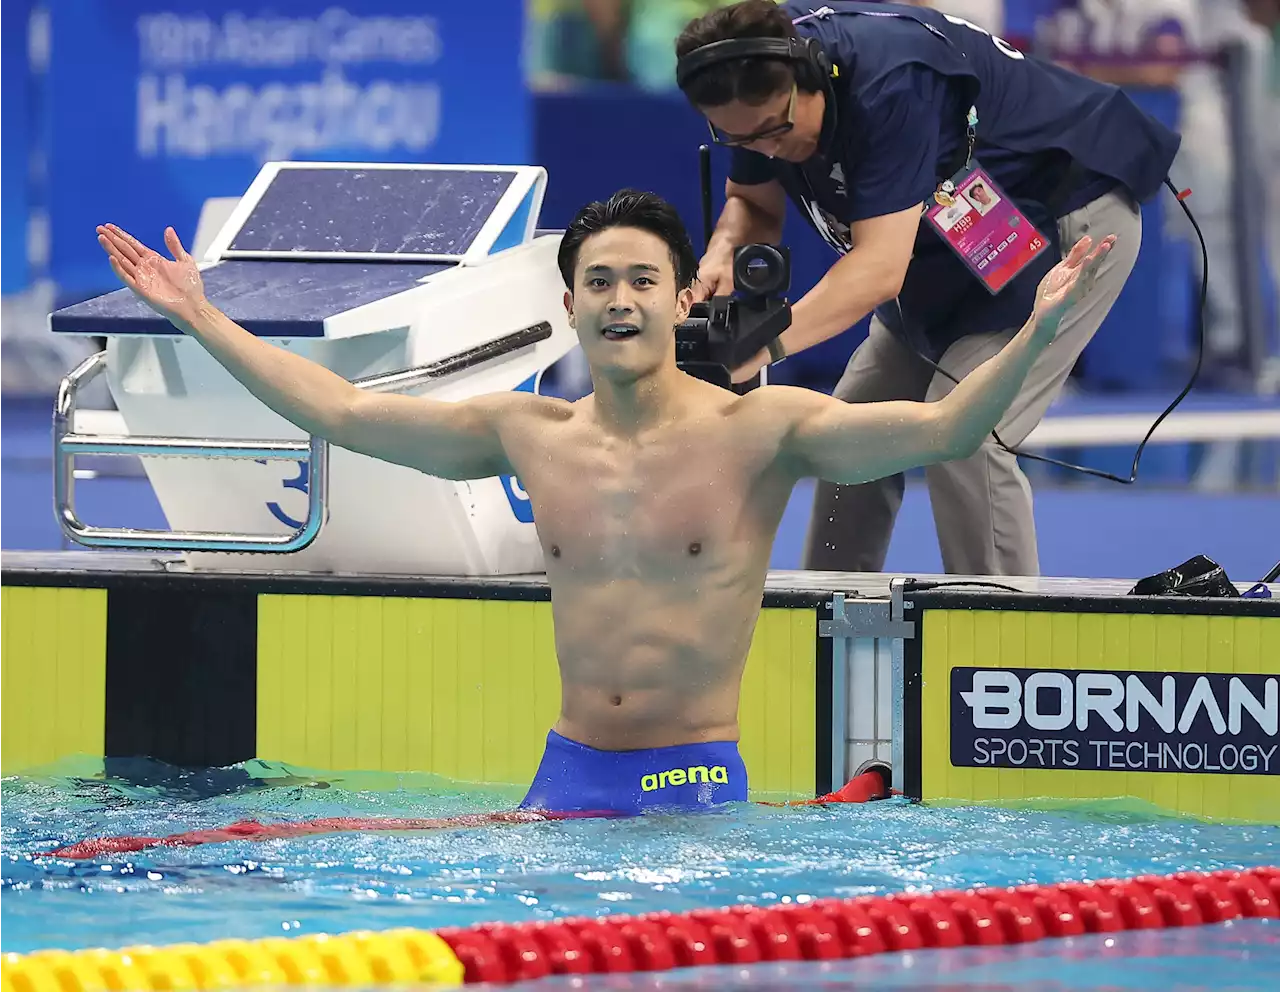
x=725 y=331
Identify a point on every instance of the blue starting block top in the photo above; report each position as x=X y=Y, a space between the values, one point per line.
x=269 y=299
x=310 y=240
x=371 y=212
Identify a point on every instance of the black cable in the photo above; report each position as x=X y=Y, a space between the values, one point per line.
x=916 y=585
x=1272 y=575
x=1195 y=374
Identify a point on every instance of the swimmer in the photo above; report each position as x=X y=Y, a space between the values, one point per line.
x=656 y=497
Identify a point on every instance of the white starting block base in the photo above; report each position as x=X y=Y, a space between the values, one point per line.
x=381 y=518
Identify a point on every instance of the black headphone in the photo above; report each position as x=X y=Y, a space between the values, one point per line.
x=812 y=66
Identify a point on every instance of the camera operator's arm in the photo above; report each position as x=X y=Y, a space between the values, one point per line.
x=753 y=213
x=903 y=121
x=870 y=274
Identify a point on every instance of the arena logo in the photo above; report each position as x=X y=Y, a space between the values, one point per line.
x=1098 y=720
x=685 y=776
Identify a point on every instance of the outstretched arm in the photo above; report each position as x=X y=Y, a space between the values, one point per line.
x=449 y=440
x=860 y=442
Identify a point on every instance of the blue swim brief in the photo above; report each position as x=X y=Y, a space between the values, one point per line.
x=574 y=777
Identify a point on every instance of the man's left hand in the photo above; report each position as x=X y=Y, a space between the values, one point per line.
x=1070 y=281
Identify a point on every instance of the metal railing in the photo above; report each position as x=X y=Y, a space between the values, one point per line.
x=67 y=444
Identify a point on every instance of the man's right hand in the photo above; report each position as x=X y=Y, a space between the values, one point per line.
x=172 y=288
x=715 y=275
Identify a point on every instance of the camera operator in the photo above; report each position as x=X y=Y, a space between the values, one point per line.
x=948 y=170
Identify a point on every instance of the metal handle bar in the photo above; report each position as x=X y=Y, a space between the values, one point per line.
x=67 y=444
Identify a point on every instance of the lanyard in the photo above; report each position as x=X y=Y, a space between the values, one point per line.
x=971 y=134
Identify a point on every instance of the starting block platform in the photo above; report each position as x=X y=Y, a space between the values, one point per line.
x=430 y=280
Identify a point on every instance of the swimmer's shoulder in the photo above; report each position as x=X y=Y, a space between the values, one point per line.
x=768 y=418
x=778 y=405
x=518 y=403
x=518 y=410
x=759 y=420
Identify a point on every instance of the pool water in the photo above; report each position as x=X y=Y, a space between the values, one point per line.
x=742 y=854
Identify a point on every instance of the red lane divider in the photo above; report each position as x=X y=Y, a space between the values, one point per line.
x=253 y=830
x=865 y=787
x=826 y=929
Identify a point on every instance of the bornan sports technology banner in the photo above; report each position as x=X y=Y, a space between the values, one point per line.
x=157 y=106
x=1076 y=720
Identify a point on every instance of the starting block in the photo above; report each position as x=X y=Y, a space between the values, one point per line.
x=429 y=280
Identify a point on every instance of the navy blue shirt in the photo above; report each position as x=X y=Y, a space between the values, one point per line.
x=895 y=128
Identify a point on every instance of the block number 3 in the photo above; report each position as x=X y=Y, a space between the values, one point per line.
x=1000 y=43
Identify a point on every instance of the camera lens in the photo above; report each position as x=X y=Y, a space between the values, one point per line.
x=760 y=270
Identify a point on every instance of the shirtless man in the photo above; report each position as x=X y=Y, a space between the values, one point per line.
x=657 y=497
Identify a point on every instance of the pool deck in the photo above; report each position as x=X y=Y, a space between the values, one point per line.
x=84 y=567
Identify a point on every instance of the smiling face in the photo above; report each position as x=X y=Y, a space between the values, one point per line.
x=626 y=303
x=786 y=125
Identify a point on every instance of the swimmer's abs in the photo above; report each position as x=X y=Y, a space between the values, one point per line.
x=651 y=634
x=629 y=719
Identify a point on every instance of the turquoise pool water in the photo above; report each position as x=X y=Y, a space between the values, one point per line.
x=595 y=867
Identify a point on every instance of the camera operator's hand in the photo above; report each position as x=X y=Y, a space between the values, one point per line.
x=715 y=275
x=750 y=369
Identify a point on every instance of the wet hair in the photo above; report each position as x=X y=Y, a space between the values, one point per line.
x=630 y=208
x=748 y=80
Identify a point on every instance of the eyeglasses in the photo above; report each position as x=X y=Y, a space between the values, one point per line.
x=735 y=141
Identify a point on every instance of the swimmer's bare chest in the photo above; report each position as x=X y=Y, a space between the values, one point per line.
x=669 y=509
x=656 y=549
x=655 y=552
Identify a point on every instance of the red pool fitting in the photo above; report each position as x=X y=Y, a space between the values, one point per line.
x=826 y=929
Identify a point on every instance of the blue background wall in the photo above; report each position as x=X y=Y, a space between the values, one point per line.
x=82 y=114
